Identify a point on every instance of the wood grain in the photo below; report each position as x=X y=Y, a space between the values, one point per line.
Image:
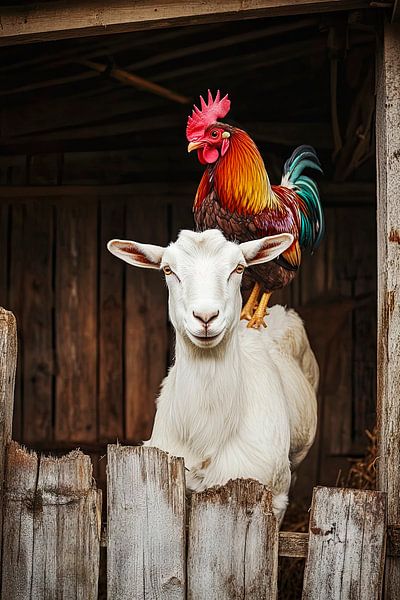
x=360 y=192
x=52 y=518
x=293 y=544
x=16 y=304
x=8 y=362
x=37 y=325
x=146 y=338
x=146 y=524
x=233 y=543
x=47 y=21
x=111 y=325
x=346 y=550
x=4 y=258
x=76 y=323
x=388 y=216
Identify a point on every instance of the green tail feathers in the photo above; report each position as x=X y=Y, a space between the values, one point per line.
x=312 y=220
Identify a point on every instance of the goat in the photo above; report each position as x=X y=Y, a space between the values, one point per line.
x=237 y=402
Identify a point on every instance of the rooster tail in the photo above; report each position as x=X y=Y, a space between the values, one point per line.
x=312 y=217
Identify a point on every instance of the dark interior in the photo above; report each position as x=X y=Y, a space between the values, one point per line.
x=88 y=154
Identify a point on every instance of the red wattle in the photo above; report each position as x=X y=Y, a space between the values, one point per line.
x=210 y=155
x=200 y=156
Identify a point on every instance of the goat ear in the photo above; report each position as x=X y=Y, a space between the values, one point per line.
x=146 y=256
x=266 y=249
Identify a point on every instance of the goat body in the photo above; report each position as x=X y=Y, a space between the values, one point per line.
x=238 y=402
x=246 y=409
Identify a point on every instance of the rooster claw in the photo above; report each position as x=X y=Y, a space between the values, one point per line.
x=256 y=322
x=246 y=314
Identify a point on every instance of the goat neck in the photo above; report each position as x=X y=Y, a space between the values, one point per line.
x=210 y=392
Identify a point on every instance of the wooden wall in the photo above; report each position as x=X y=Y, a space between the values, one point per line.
x=94 y=336
x=84 y=158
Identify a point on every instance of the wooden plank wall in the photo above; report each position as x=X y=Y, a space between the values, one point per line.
x=95 y=341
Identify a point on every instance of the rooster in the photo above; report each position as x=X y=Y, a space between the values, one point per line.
x=235 y=196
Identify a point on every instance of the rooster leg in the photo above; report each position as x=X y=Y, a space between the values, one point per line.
x=257 y=319
x=249 y=307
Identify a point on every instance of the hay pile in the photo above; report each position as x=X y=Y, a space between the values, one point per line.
x=362 y=474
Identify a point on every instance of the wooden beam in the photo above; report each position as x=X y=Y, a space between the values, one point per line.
x=388 y=217
x=58 y=20
x=348 y=193
x=135 y=81
x=396 y=11
x=293 y=544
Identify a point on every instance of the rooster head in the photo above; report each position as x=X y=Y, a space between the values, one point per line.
x=204 y=133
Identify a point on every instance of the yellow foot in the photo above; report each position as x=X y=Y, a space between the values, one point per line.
x=248 y=309
x=260 y=313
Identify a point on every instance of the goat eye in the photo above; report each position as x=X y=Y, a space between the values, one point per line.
x=167 y=270
x=239 y=269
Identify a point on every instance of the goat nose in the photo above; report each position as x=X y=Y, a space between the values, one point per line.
x=206 y=317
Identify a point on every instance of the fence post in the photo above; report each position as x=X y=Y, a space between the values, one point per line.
x=8 y=362
x=146 y=524
x=388 y=221
x=346 y=550
x=51 y=529
x=233 y=543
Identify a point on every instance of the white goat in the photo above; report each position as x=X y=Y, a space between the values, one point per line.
x=237 y=402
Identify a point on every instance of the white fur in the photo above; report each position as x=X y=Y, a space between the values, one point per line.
x=242 y=404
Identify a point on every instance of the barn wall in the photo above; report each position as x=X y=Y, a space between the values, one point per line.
x=95 y=341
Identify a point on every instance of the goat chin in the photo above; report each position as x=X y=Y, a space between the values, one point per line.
x=244 y=409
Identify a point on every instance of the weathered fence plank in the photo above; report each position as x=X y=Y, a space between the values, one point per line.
x=388 y=221
x=233 y=543
x=8 y=362
x=346 y=548
x=146 y=524
x=51 y=528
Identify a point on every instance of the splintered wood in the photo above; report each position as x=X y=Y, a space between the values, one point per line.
x=233 y=544
x=51 y=528
x=346 y=549
x=146 y=525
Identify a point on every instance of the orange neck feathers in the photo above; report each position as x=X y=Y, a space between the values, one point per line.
x=239 y=178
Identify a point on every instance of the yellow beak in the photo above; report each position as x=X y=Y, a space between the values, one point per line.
x=194 y=146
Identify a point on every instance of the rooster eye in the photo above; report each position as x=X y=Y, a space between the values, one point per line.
x=214 y=133
x=167 y=270
x=239 y=269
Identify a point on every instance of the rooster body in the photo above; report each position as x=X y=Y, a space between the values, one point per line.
x=235 y=194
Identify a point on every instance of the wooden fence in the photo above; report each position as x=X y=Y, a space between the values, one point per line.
x=222 y=544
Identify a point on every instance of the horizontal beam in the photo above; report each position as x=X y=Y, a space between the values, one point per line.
x=348 y=193
x=295 y=545
x=64 y=19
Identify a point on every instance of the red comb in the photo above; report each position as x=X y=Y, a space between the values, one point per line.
x=200 y=119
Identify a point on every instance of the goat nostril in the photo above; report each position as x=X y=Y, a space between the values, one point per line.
x=214 y=315
x=206 y=317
